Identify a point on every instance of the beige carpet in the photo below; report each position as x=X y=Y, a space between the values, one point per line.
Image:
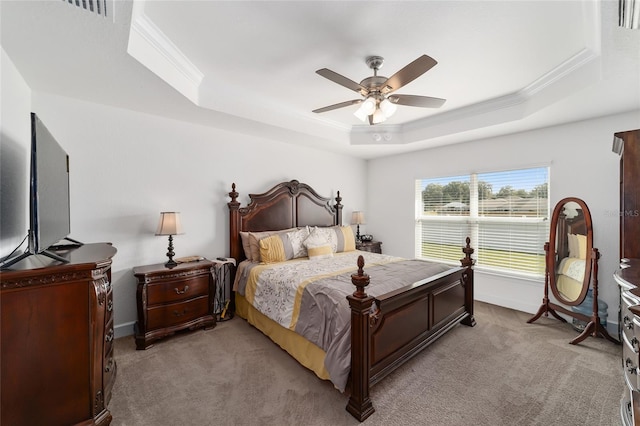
x=501 y=372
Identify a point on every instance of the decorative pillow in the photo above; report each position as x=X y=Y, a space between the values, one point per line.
x=283 y=246
x=582 y=246
x=340 y=238
x=254 y=241
x=346 y=239
x=244 y=236
x=296 y=238
x=573 y=245
x=318 y=245
x=577 y=246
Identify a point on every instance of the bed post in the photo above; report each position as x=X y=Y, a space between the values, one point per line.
x=467 y=278
x=234 y=225
x=359 y=405
x=338 y=208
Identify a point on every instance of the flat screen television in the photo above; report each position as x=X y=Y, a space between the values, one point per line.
x=49 y=216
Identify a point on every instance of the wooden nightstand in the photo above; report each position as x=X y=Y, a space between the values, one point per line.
x=371 y=246
x=173 y=299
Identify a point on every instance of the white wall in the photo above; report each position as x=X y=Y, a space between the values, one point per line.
x=582 y=165
x=127 y=167
x=15 y=134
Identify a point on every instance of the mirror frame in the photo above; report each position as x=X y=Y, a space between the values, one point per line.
x=552 y=252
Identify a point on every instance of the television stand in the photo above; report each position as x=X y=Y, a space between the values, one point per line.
x=57 y=247
x=49 y=252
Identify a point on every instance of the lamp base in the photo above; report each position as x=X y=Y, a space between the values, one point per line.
x=170 y=263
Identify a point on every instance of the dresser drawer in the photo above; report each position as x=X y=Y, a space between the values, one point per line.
x=109 y=337
x=109 y=306
x=178 y=290
x=630 y=365
x=629 y=323
x=109 y=375
x=177 y=313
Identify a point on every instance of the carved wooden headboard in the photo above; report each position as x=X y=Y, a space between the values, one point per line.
x=286 y=205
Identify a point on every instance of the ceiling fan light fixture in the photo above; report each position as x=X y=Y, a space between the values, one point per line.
x=361 y=114
x=378 y=117
x=388 y=108
x=369 y=105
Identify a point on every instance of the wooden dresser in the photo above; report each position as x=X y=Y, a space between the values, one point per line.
x=58 y=366
x=628 y=278
x=627 y=144
x=173 y=299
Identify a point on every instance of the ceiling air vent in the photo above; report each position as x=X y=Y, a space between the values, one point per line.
x=94 y=6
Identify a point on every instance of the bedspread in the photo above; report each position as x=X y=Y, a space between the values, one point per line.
x=309 y=297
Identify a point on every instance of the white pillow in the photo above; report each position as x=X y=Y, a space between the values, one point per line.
x=318 y=245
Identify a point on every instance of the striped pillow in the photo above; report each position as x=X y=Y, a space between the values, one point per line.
x=285 y=246
x=340 y=238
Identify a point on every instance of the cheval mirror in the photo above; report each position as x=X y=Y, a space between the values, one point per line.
x=571 y=268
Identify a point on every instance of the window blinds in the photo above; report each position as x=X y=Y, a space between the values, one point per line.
x=504 y=213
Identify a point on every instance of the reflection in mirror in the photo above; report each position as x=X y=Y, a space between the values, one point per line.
x=571 y=263
x=571 y=269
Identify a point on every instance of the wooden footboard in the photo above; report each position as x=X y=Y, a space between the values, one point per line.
x=388 y=330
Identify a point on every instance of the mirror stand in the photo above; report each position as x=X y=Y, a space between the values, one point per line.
x=594 y=327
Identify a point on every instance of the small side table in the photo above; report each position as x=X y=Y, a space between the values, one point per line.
x=173 y=299
x=370 y=246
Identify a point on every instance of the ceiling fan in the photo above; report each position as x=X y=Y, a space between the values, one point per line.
x=377 y=103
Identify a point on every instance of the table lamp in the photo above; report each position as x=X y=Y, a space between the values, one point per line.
x=357 y=218
x=170 y=225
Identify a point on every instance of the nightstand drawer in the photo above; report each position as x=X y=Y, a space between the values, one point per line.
x=174 y=291
x=177 y=313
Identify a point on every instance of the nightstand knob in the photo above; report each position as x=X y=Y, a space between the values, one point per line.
x=183 y=291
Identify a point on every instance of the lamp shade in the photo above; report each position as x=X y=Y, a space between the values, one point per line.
x=169 y=224
x=357 y=218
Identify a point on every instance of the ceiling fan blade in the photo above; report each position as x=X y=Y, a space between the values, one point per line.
x=343 y=81
x=417 y=101
x=409 y=73
x=336 y=106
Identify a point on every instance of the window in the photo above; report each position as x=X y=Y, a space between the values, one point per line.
x=504 y=213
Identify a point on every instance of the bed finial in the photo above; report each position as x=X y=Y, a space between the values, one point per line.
x=360 y=279
x=467 y=261
x=338 y=209
x=233 y=194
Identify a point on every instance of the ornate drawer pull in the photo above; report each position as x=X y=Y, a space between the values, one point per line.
x=186 y=287
x=630 y=367
x=109 y=365
x=109 y=336
x=179 y=314
x=627 y=323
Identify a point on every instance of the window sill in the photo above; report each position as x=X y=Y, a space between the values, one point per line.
x=538 y=280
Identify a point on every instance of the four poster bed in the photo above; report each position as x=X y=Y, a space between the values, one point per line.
x=296 y=271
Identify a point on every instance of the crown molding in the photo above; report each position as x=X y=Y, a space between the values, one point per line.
x=151 y=47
